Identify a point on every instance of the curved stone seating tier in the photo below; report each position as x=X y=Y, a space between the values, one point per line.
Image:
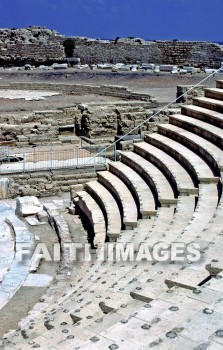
x=161 y=322
x=123 y=196
x=182 y=216
x=204 y=114
x=207 y=150
x=139 y=187
x=204 y=212
x=20 y=263
x=164 y=218
x=211 y=241
x=189 y=159
x=215 y=93
x=156 y=179
x=139 y=233
x=94 y=214
x=109 y=207
x=219 y=84
x=209 y=103
x=168 y=165
x=209 y=132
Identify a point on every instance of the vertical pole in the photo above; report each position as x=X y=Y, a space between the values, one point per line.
x=209 y=81
x=115 y=152
x=140 y=130
x=51 y=158
x=94 y=166
x=34 y=156
x=24 y=162
x=77 y=157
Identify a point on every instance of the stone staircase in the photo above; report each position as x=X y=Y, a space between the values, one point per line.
x=168 y=189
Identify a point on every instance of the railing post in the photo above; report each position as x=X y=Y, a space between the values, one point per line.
x=77 y=157
x=94 y=166
x=24 y=167
x=51 y=156
x=209 y=82
x=115 y=152
x=34 y=157
x=140 y=130
x=105 y=160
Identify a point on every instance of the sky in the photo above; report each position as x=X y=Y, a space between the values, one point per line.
x=107 y=19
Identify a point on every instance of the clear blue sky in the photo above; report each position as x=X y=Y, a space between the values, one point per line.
x=150 y=19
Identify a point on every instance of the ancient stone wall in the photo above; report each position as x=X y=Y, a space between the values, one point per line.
x=46 y=183
x=93 y=120
x=38 y=45
x=159 y=52
x=34 y=45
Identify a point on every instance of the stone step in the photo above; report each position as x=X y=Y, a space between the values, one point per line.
x=193 y=163
x=168 y=228
x=20 y=261
x=140 y=232
x=123 y=196
x=212 y=154
x=203 y=114
x=214 y=93
x=156 y=179
x=169 y=166
x=206 y=131
x=209 y=103
x=94 y=214
x=219 y=84
x=203 y=215
x=109 y=207
x=140 y=190
x=7 y=243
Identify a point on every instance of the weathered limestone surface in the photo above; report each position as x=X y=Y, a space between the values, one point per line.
x=28 y=205
x=4 y=186
x=33 y=45
x=139 y=50
x=63 y=125
x=46 y=183
x=38 y=45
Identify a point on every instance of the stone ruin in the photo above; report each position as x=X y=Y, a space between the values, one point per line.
x=166 y=193
x=37 y=45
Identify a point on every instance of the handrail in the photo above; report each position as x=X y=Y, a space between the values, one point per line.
x=148 y=119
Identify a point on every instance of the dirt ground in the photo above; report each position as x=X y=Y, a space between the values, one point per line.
x=162 y=87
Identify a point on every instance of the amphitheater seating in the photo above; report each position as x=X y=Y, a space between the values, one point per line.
x=207 y=131
x=167 y=189
x=209 y=103
x=13 y=272
x=141 y=191
x=108 y=206
x=200 y=113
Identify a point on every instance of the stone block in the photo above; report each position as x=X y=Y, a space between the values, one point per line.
x=4 y=188
x=28 y=205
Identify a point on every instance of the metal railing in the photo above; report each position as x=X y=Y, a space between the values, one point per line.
x=140 y=125
x=14 y=160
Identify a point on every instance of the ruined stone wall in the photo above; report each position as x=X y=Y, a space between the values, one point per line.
x=159 y=52
x=46 y=183
x=119 y=92
x=93 y=120
x=38 y=45
x=34 y=45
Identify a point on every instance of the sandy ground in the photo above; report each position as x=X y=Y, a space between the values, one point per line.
x=26 y=95
x=162 y=87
